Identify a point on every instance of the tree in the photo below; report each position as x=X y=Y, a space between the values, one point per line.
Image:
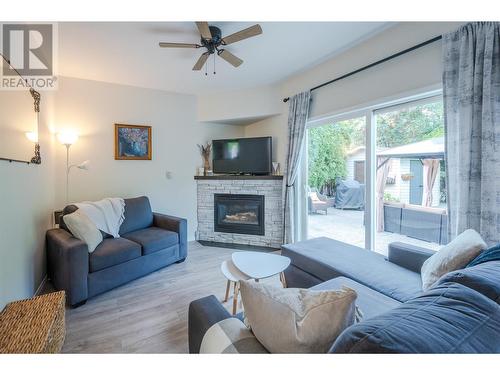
x=328 y=147
x=402 y=127
x=329 y=144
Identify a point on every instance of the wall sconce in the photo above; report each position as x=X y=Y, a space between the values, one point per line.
x=68 y=139
x=32 y=136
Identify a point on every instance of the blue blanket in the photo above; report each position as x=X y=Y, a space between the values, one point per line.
x=493 y=253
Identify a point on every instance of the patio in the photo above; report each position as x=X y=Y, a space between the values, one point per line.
x=347 y=226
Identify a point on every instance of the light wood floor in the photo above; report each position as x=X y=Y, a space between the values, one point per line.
x=149 y=315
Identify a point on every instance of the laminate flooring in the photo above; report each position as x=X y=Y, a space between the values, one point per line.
x=150 y=314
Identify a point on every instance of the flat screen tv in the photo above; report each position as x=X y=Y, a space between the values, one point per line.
x=242 y=156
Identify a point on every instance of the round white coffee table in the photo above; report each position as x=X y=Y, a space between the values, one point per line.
x=245 y=265
x=261 y=265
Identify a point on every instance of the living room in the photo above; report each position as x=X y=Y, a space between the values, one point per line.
x=170 y=175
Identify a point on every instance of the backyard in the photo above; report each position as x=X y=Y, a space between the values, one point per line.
x=347 y=226
x=410 y=189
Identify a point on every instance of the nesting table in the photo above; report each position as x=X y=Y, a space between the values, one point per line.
x=246 y=265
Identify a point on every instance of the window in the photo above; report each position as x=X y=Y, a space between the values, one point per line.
x=404 y=181
x=410 y=192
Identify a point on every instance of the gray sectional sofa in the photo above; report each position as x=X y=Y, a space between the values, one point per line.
x=148 y=241
x=459 y=314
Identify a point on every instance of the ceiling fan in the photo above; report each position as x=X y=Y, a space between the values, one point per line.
x=212 y=40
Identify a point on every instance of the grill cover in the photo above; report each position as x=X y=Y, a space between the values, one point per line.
x=350 y=194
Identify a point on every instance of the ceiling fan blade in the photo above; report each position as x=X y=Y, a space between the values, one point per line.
x=201 y=61
x=230 y=58
x=178 y=45
x=204 y=30
x=242 y=34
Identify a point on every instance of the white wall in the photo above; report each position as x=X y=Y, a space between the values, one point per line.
x=29 y=194
x=92 y=108
x=418 y=69
x=239 y=105
x=26 y=201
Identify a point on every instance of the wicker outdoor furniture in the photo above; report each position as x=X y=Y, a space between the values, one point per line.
x=319 y=202
x=35 y=325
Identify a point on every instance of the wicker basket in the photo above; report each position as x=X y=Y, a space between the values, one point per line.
x=35 y=325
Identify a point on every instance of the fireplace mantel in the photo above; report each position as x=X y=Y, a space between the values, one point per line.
x=238 y=177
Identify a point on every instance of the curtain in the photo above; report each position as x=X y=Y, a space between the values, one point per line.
x=471 y=91
x=430 y=171
x=297 y=117
x=383 y=165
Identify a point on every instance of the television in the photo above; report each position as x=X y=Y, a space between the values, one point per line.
x=242 y=156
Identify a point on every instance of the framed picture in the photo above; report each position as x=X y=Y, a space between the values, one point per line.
x=132 y=142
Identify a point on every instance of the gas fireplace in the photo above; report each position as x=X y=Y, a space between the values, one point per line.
x=239 y=213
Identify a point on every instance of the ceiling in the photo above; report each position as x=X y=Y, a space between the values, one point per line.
x=128 y=53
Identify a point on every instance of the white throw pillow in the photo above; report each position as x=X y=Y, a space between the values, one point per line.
x=82 y=228
x=297 y=320
x=454 y=256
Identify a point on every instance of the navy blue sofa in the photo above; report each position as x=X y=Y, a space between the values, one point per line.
x=148 y=241
x=459 y=314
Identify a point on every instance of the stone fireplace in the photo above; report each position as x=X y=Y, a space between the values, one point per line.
x=243 y=210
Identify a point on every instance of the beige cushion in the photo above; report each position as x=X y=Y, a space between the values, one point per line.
x=454 y=256
x=314 y=196
x=297 y=320
x=82 y=228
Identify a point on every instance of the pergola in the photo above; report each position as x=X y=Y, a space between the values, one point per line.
x=429 y=152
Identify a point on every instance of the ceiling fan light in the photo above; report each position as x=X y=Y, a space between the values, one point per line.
x=211 y=40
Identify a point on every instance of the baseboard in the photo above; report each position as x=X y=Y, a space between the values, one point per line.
x=237 y=246
x=41 y=286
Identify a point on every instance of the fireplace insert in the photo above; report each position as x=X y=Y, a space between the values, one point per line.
x=239 y=213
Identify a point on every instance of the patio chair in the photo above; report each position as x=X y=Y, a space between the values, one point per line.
x=324 y=198
x=317 y=204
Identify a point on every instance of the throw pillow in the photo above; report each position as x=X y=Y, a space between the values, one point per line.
x=230 y=336
x=454 y=256
x=82 y=228
x=297 y=320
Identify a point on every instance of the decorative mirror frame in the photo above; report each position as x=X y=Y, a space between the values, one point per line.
x=36 y=159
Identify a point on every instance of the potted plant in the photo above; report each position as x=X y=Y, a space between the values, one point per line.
x=406 y=176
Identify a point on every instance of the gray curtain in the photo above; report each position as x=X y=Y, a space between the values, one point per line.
x=297 y=117
x=471 y=89
x=430 y=172
x=383 y=166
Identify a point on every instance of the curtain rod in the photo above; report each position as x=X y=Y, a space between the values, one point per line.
x=435 y=39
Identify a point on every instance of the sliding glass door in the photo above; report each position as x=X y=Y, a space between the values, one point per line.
x=335 y=190
x=410 y=187
x=378 y=178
